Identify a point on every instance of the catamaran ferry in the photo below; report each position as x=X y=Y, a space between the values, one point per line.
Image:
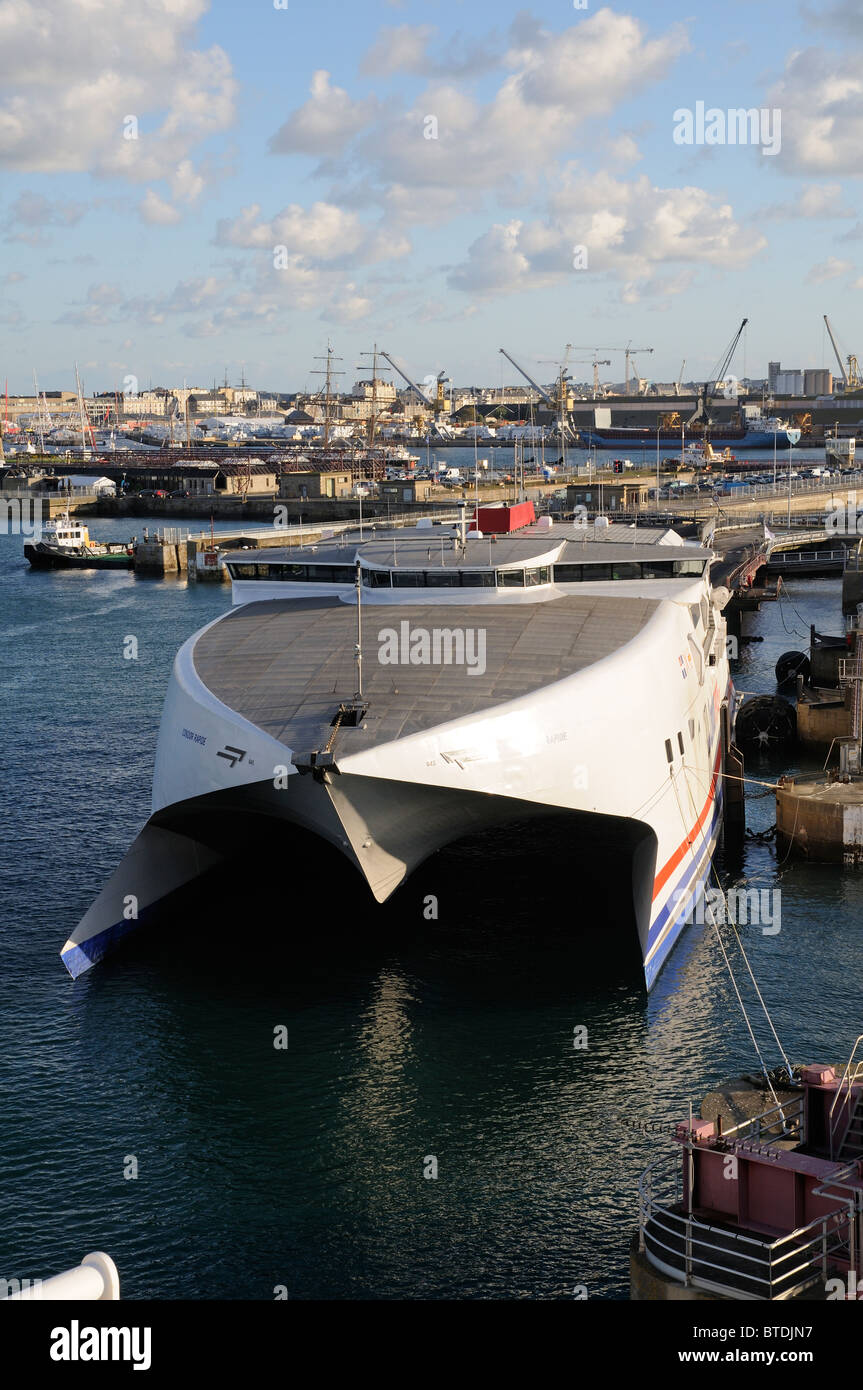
x=394 y=692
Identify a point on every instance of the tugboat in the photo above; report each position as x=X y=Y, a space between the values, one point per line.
x=66 y=544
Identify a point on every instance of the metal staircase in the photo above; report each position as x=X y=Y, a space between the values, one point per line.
x=852 y=1140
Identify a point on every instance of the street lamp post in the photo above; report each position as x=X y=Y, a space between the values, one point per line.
x=793 y=438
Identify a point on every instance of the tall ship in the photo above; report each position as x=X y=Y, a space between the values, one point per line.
x=391 y=693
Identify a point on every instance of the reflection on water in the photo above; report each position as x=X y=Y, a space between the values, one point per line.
x=408 y=1038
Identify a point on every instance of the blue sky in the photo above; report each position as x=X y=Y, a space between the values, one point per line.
x=305 y=128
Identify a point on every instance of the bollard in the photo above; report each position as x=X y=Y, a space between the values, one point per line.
x=96 y=1278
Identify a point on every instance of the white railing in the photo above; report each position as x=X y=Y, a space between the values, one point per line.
x=94 y=1279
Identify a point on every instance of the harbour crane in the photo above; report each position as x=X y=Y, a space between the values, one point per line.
x=702 y=413
x=851 y=376
x=679 y=382
x=558 y=405
x=435 y=403
x=535 y=384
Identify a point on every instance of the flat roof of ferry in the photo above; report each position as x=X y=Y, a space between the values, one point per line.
x=440 y=548
x=286 y=664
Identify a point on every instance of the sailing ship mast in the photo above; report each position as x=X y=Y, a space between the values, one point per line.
x=327 y=373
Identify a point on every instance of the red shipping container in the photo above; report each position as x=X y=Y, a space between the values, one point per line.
x=501 y=520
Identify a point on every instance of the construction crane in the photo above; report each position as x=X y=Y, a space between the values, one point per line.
x=679 y=382
x=702 y=413
x=595 y=361
x=850 y=378
x=628 y=353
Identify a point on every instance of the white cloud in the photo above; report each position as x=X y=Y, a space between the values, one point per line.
x=821 y=99
x=405 y=48
x=830 y=269
x=819 y=200
x=156 y=211
x=629 y=229
x=30 y=214
x=71 y=75
x=322 y=234
x=325 y=123
x=552 y=84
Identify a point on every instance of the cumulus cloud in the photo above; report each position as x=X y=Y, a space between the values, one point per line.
x=628 y=229
x=819 y=200
x=325 y=123
x=407 y=48
x=156 y=211
x=322 y=234
x=844 y=16
x=830 y=269
x=31 y=214
x=551 y=84
x=72 y=76
x=820 y=96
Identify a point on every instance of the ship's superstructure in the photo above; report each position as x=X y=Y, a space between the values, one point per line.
x=394 y=692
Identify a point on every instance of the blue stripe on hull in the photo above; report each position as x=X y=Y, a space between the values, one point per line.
x=88 y=953
x=693 y=880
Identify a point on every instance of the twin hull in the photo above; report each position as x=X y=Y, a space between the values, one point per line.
x=633 y=742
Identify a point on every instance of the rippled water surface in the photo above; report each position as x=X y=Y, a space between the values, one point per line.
x=408 y=1039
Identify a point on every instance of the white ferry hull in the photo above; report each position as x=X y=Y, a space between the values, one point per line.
x=632 y=742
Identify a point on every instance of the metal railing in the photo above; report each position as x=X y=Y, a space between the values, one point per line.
x=702 y=1255
x=851 y=1080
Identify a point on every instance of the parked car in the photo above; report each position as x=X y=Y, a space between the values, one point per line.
x=152 y=492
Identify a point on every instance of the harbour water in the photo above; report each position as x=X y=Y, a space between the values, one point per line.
x=409 y=1039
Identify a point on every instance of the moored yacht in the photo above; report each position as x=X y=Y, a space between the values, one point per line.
x=396 y=691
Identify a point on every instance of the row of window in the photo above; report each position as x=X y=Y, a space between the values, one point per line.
x=468 y=579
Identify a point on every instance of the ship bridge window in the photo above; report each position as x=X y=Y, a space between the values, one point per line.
x=567 y=574
x=594 y=573
x=332 y=574
x=657 y=569
x=243 y=571
x=688 y=567
x=628 y=571
x=408 y=579
x=540 y=575
x=477 y=579
x=510 y=579
x=376 y=579
x=442 y=579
